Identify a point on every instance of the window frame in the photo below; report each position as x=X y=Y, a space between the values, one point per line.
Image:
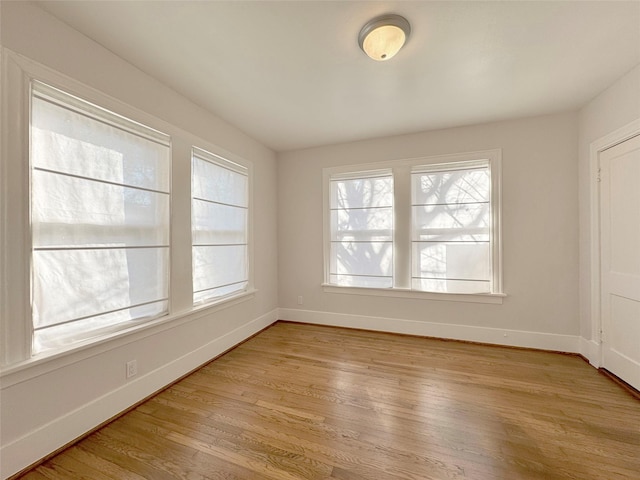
x=401 y=170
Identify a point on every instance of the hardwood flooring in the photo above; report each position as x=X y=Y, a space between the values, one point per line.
x=312 y=402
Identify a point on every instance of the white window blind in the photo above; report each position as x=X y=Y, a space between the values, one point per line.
x=100 y=220
x=361 y=226
x=451 y=228
x=220 y=207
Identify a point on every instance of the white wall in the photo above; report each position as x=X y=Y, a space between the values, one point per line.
x=614 y=108
x=46 y=406
x=540 y=237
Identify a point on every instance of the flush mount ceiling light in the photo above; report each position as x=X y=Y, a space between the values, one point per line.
x=384 y=36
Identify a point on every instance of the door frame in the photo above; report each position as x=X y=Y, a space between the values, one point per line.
x=596 y=148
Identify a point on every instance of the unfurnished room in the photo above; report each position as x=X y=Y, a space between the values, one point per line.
x=319 y=240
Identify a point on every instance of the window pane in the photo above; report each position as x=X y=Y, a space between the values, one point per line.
x=69 y=211
x=457 y=261
x=217 y=184
x=66 y=141
x=71 y=284
x=368 y=258
x=218 y=266
x=362 y=193
x=362 y=224
x=218 y=224
x=460 y=186
x=452 y=222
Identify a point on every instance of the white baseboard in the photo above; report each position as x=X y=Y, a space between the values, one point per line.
x=514 y=338
x=41 y=442
x=590 y=349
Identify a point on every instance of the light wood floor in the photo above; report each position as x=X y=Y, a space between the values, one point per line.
x=310 y=402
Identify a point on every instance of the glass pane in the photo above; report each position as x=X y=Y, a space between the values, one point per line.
x=456 y=261
x=65 y=141
x=371 y=258
x=217 y=184
x=70 y=333
x=218 y=224
x=69 y=284
x=69 y=211
x=218 y=266
x=219 y=292
x=450 y=286
x=452 y=222
x=362 y=224
x=369 y=282
x=362 y=193
x=462 y=186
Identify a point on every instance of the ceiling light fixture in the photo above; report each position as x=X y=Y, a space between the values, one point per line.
x=384 y=36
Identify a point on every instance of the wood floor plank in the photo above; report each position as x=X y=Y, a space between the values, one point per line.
x=320 y=403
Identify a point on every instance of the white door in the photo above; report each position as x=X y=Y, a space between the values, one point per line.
x=620 y=259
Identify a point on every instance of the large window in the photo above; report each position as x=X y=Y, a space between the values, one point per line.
x=219 y=213
x=100 y=220
x=421 y=225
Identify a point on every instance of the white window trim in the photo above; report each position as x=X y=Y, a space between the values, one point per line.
x=15 y=238
x=402 y=232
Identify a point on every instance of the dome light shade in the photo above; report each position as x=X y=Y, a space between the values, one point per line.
x=384 y=36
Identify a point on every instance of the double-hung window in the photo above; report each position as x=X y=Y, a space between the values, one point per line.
x=219 y=221
x=100 y=187
x=420 y=225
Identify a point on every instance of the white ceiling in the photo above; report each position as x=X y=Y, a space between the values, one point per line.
x=291 y=75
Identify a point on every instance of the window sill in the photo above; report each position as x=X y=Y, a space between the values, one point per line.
x=494 y=298
x=54 y=359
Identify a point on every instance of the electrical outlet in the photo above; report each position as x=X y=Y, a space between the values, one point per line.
x=299 y=299
x=132 y=368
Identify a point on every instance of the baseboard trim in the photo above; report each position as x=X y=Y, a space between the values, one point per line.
x=26 y=452
x=512 y=338
x=590 y=350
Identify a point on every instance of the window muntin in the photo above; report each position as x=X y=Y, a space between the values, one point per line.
x=451 y=228
x=361 y=223
x=99 y=217
x=220 y=208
